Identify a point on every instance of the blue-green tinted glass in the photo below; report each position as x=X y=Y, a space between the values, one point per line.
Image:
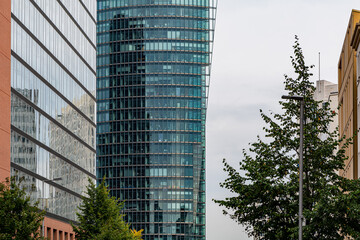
x=153 y=67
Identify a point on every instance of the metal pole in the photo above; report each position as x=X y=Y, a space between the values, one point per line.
x=301 y=169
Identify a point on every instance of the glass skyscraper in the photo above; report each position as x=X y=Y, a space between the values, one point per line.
x=153 y=69
x=53 y=103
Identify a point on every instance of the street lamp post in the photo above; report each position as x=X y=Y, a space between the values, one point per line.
x=301 y=100
x=43 y=193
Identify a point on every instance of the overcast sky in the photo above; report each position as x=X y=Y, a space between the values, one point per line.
x=253 y=42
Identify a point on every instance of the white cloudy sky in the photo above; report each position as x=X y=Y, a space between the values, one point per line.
x=253 y=42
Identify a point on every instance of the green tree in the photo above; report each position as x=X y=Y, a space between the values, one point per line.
x=100 y=217
x=265 y=190
x=19 y=219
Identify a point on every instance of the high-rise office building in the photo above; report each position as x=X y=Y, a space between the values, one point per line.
x=48 y=134
x=153 y=69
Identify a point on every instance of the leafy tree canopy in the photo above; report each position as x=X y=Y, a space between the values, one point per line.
x=19 y=219
x=265 y=190
x=100 y=217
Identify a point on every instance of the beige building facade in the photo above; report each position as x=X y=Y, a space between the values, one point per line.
x=348 y=111
x=355 y=40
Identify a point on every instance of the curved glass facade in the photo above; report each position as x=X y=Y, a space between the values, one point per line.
x=153 y=69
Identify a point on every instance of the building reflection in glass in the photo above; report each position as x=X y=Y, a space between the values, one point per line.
x=53 y=102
